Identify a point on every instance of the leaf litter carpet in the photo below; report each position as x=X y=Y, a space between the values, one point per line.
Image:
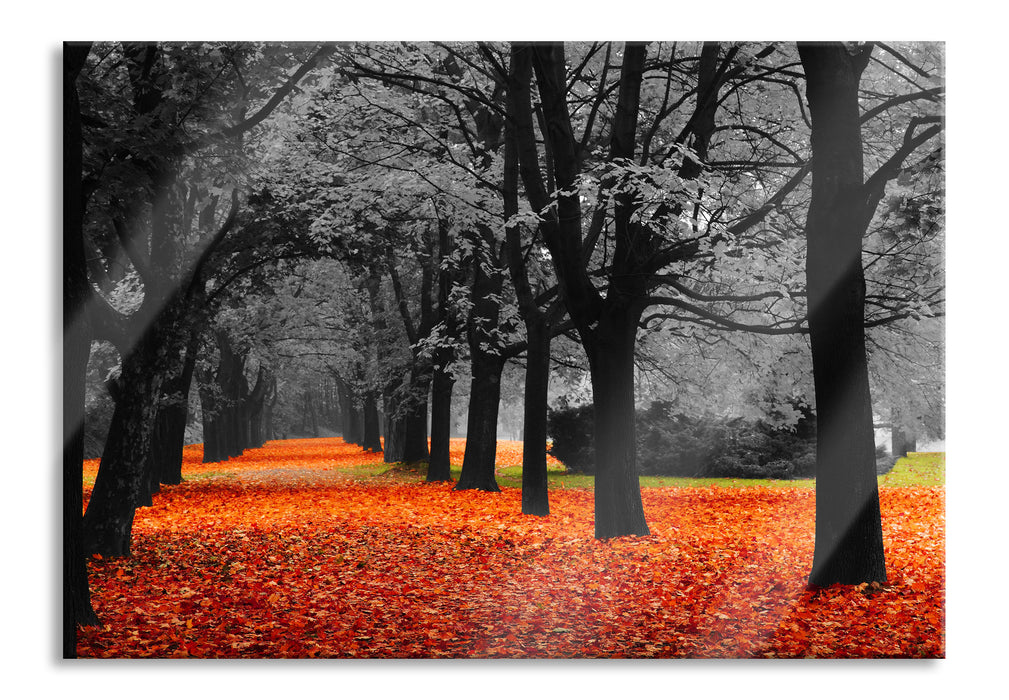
x=288 y=552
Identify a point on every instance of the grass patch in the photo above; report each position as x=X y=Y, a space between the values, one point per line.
x=917 y=469
x=558 y=478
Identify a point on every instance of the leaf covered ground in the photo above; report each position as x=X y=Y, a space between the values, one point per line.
x=310 y=548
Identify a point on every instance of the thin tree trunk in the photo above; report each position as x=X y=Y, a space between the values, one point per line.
x=902 y=439
x=535 y=497
x=396 y=399
x=211 y=413
x=439 y=467
x=372 y=438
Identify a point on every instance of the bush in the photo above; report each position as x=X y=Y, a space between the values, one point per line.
x=674 y=444
x=571 y=431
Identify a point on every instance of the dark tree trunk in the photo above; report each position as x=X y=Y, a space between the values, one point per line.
x=173 y=414
x=849 y=538
x=442 y=380
x=902 y=439
x=119 y=486
x=210 y=407
x=372 y=438
x=355 y=420
x=254 y=405
x=486 y=367
x=271 y=403
x=481 y=425
x=395 y=426
x=535 y=498
x=77 y=608
x=439 y=467
x=618 y=506
x=406 y=419
x=607 y=325
x=313 y=418
x=415 y=446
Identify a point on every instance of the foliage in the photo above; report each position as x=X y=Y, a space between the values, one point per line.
x=675 y=444
x=292 y=554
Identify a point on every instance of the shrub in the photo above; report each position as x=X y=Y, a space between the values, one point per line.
x=674 y=444
x=570 y=428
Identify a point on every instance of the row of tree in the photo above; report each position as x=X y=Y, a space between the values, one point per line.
x=387 y=214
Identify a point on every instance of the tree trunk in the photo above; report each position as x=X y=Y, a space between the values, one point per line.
x=481 y=426
x=77 y=608
x=535 y=498
x=173 y=414
x=902 y=439
x=395 y=430
x=618 y=506
x=372 y=438
x=849 y=538
x=486 y=366
x=271 y=403
x=415 y=447
x=119 y=486
x=211 y=410
x=439 y=467
x=606 y=326
x=354 y=420
x=313 y=417
x=254 y=404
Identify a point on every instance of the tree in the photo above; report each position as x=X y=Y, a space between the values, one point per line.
x=607 y=326
x=152 y=190
x=77 y=609
x=849 y=539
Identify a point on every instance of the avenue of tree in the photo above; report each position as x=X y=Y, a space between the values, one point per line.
x=352 y=233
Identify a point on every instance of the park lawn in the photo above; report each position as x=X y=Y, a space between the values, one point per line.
x=918 y=469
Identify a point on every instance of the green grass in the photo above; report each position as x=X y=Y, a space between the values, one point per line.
x=559 y=479
x=920 y=469
x=917 y=469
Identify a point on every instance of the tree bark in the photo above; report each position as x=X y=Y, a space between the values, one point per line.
x=354 y=420
x=173 y=414
x=254 y=404
x=535 y=497
x=439 y=466
x=442 y=380
x=372 y=438
x=210 y=409
x=606 y=326
x=415 y=447
x=618 y=506
x=119 y=487
x=849 y=538
x=77 y=608
x=486 y=365
x=481 y=425
x=902 y=439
